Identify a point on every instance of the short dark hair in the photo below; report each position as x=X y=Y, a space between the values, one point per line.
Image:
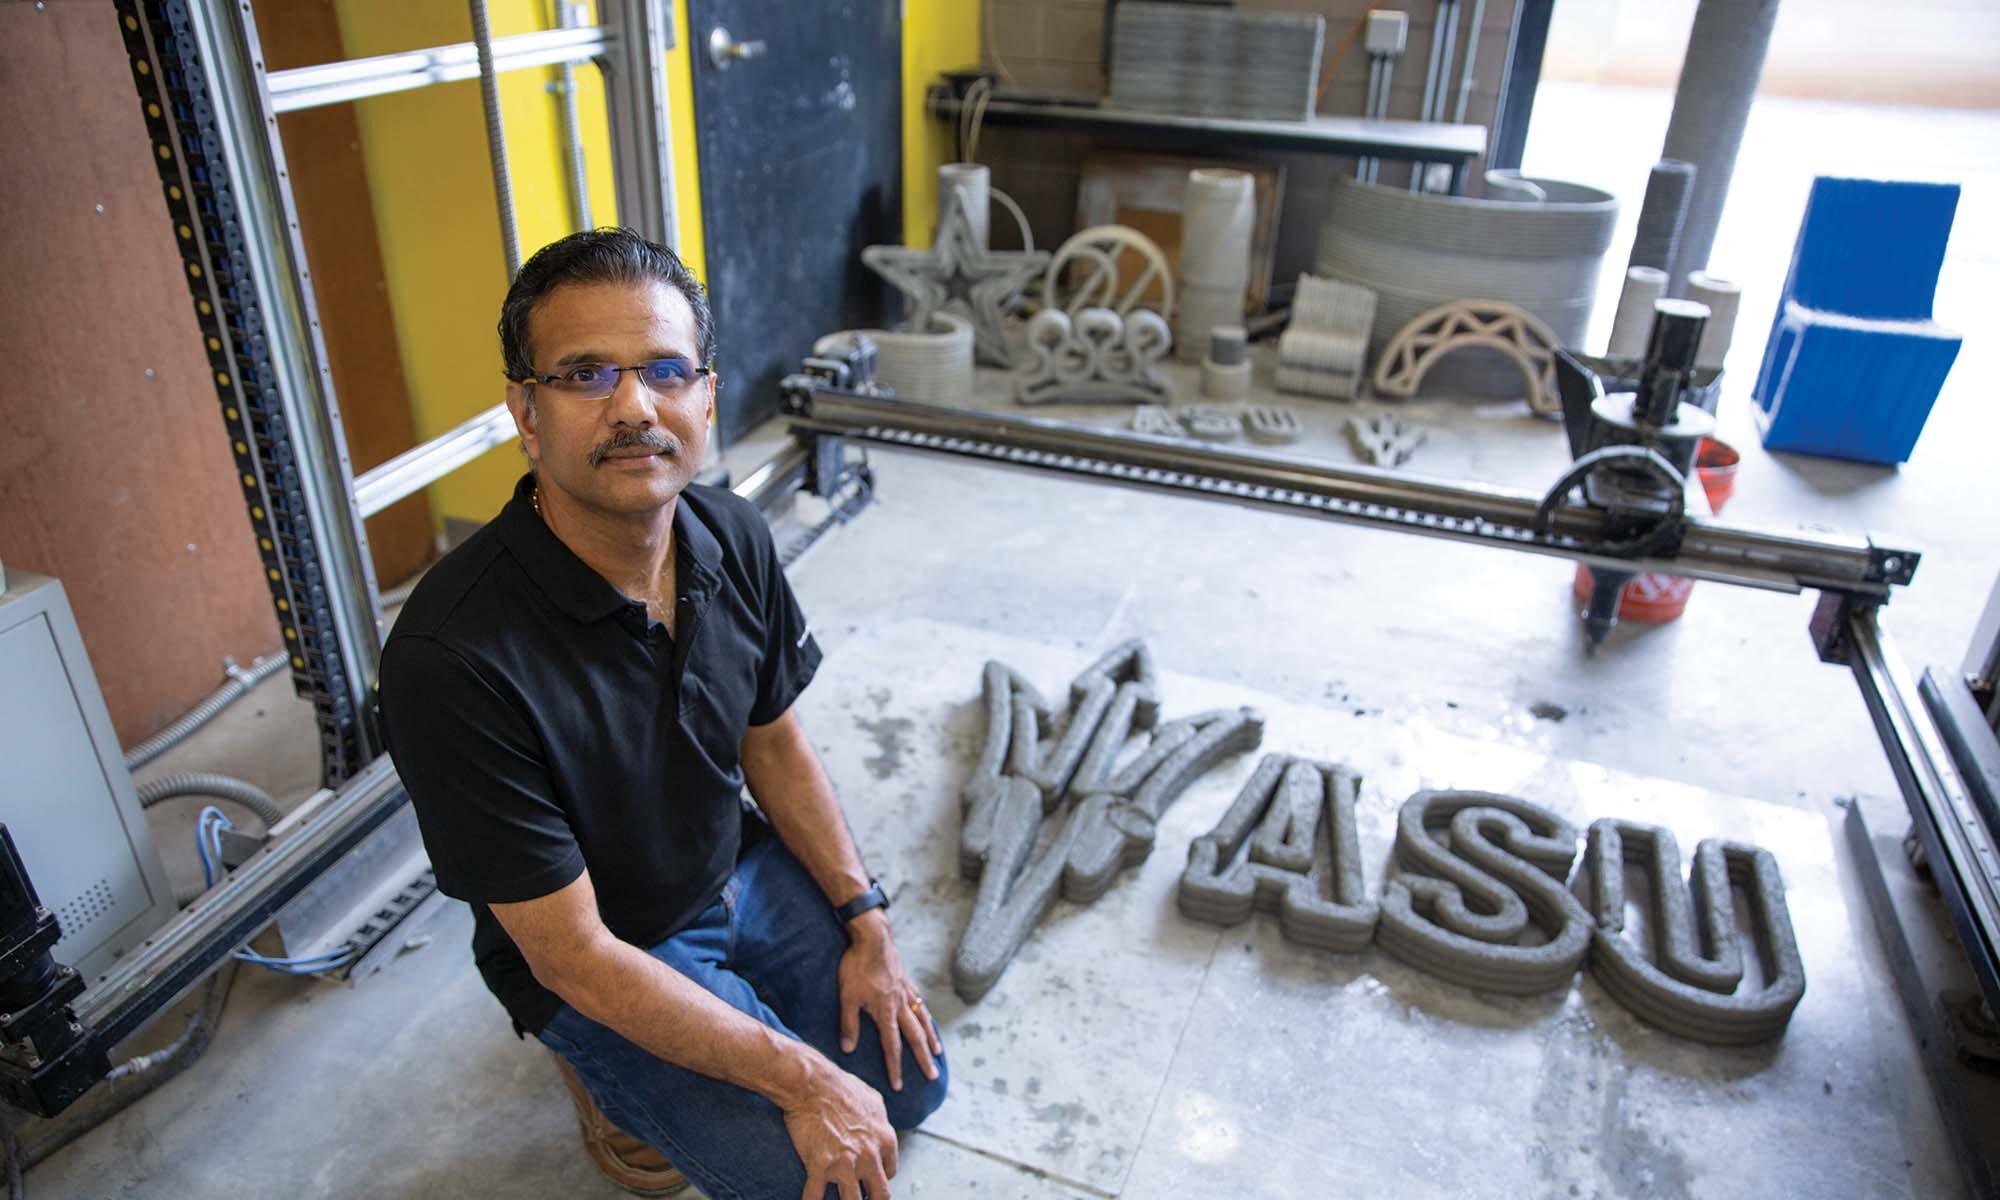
x=595 y=256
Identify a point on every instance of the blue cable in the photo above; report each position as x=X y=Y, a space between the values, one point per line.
x=208 y=827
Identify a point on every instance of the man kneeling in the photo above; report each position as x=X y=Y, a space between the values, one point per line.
x=575 y=699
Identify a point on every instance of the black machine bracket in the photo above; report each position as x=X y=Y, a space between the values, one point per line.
x=47 y=1058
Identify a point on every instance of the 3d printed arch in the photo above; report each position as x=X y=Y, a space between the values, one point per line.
x=1494 y=324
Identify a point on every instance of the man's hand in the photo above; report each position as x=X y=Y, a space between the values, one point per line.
x=872 y=981
x=842 y=1135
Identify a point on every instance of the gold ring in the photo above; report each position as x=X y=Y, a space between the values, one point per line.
x=917 y=1003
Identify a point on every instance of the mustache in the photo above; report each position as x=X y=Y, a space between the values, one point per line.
x=651 y=439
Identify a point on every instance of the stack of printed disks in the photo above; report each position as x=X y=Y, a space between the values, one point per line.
x=1216 y=219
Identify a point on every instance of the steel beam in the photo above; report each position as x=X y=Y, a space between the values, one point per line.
x=254 y=157
x=635 y=95
x=360 y=78
x=417 y=468
x=1957 y=844
x=1360 y=495
x=780 y=475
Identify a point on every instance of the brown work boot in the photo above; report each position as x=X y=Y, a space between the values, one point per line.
x=624 y=1159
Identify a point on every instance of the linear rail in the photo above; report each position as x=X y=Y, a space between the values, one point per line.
x=420 y=466
x=186 y=949
x=1477 y=513
x=1963 y=858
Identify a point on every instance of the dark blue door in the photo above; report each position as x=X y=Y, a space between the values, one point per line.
x=800 y=149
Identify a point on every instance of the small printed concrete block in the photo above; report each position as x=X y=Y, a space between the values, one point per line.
x=1692 y=984
x=1489 y=324
x=1632 y=324
x=1272 y=424
x=1460 y=908
x=1723 y=299
x=1317 y=362
x=1210 y=423
x=1313 y=881
x=1221 y=381
x=1384 y=439
x=1099 y=356
x=1156 y=420
x=1228 y=345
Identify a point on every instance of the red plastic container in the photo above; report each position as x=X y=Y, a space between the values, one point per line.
x=1655 y=597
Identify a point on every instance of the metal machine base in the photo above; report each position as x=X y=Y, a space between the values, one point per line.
x=1935 y=983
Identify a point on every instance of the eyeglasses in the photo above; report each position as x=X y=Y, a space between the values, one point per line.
x=669 y=378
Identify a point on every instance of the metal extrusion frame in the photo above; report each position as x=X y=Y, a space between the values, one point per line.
x=1483 y=514
x=212 y=110
x=312 y=838
x=198 y=71
x=635 y=93
x=384 y=74
x=420 y=466
x=1957 y=842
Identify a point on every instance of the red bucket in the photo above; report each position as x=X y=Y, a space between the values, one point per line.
x=1715 y=464
x=1654 y=597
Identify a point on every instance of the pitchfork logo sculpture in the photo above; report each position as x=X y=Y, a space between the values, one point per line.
x=1105 y=815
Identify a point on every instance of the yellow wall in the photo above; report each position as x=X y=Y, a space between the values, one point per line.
x=439 y=223
x=938 y=35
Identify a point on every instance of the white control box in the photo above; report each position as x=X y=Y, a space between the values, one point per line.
x=1388 y=32
x=65 y=794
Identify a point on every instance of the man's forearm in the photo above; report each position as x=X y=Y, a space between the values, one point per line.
x=674 y=1018
x=790 y=785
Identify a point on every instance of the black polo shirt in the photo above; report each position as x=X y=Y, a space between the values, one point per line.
x=543 y=724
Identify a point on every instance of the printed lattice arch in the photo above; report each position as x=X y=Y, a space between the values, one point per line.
x=1494 y=324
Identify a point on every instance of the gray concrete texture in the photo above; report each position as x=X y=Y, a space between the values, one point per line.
x=1100 y=817
x=1697 y=987
x=1459 y=908
x=1089 y=1070
x=1303 y=857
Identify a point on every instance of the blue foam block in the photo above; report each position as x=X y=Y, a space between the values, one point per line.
x=1854 y=362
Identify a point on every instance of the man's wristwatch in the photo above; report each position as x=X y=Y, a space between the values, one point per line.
x=867 y=901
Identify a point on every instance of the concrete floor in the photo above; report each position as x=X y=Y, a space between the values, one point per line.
x=1204 y=1062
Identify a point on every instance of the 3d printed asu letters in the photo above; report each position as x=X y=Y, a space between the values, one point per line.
x=1482 y=898
x=1303 y=860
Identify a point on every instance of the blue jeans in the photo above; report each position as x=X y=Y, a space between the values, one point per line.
x=771 y=947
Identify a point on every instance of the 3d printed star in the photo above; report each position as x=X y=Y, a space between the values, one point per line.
x=959 y=274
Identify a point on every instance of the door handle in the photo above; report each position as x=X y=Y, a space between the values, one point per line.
x=723 y=49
